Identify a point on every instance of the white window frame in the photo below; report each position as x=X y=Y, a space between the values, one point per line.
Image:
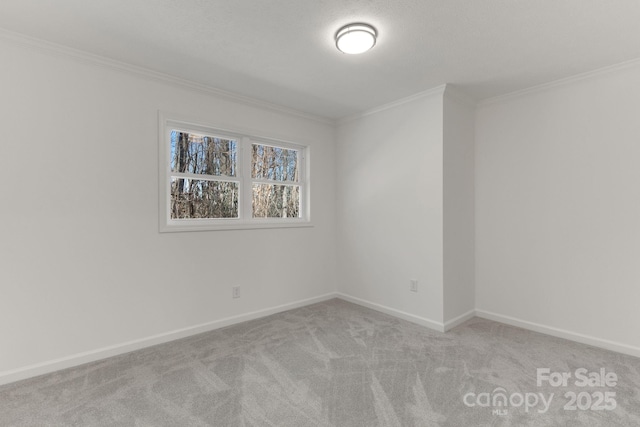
x=245 y=219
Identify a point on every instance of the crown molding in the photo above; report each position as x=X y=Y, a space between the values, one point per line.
x=436 y=91
x=561 y=82
x=455 y=94
x=147 y=73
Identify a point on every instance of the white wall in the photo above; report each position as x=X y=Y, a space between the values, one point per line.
x=558 y=207
x=458 y=205
x=82 y=264
x=389 y=200
x=83 y=267
x=405 y=208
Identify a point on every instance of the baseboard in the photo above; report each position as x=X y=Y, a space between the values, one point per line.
x=561 y=333
x=450 y=324
x=422 y=321
x=10 y=376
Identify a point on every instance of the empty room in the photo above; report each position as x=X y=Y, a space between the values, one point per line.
x=320 y=213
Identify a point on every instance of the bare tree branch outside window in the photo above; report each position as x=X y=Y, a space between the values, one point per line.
x=208 y=157
x=206 y=179
x=280 y=199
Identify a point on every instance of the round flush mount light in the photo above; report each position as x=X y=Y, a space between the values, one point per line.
x=356 y=38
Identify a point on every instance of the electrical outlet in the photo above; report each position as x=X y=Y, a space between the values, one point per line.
x=413 y=285
x=235 y=292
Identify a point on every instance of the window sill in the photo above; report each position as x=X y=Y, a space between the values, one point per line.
x=178 y=227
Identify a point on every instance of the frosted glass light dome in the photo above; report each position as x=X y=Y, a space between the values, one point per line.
x=355 y=38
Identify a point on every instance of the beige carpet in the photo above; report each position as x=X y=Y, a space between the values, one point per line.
x=338 y=364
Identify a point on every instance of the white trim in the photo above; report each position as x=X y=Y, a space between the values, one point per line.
x=436 y=91
x=560 y=82
x=68 y=52
x=450 y=324
x=422 y=321
x=452 y=93
x=86 y=57
x=10 y=376
x=229 y=224
x=561 y=333
x=246 y=203
x=203 y=177
x=271 y=181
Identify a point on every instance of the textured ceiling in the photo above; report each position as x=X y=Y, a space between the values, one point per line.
x=283 y=52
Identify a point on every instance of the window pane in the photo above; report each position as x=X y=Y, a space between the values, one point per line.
x=191 y=198
x=274 y=163
x=203 y=154
x=276 y=201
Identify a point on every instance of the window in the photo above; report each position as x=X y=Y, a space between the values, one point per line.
x=275 y=182
x=211 y=179
x=203 y=176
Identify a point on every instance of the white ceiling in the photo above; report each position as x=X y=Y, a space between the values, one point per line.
x=283 y=52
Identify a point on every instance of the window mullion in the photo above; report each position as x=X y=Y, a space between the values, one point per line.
x=203 y=177
x=274 y=182
x=247 y=187
x=302 y=182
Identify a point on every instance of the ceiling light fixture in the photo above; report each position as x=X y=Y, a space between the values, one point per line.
x=356 y=38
